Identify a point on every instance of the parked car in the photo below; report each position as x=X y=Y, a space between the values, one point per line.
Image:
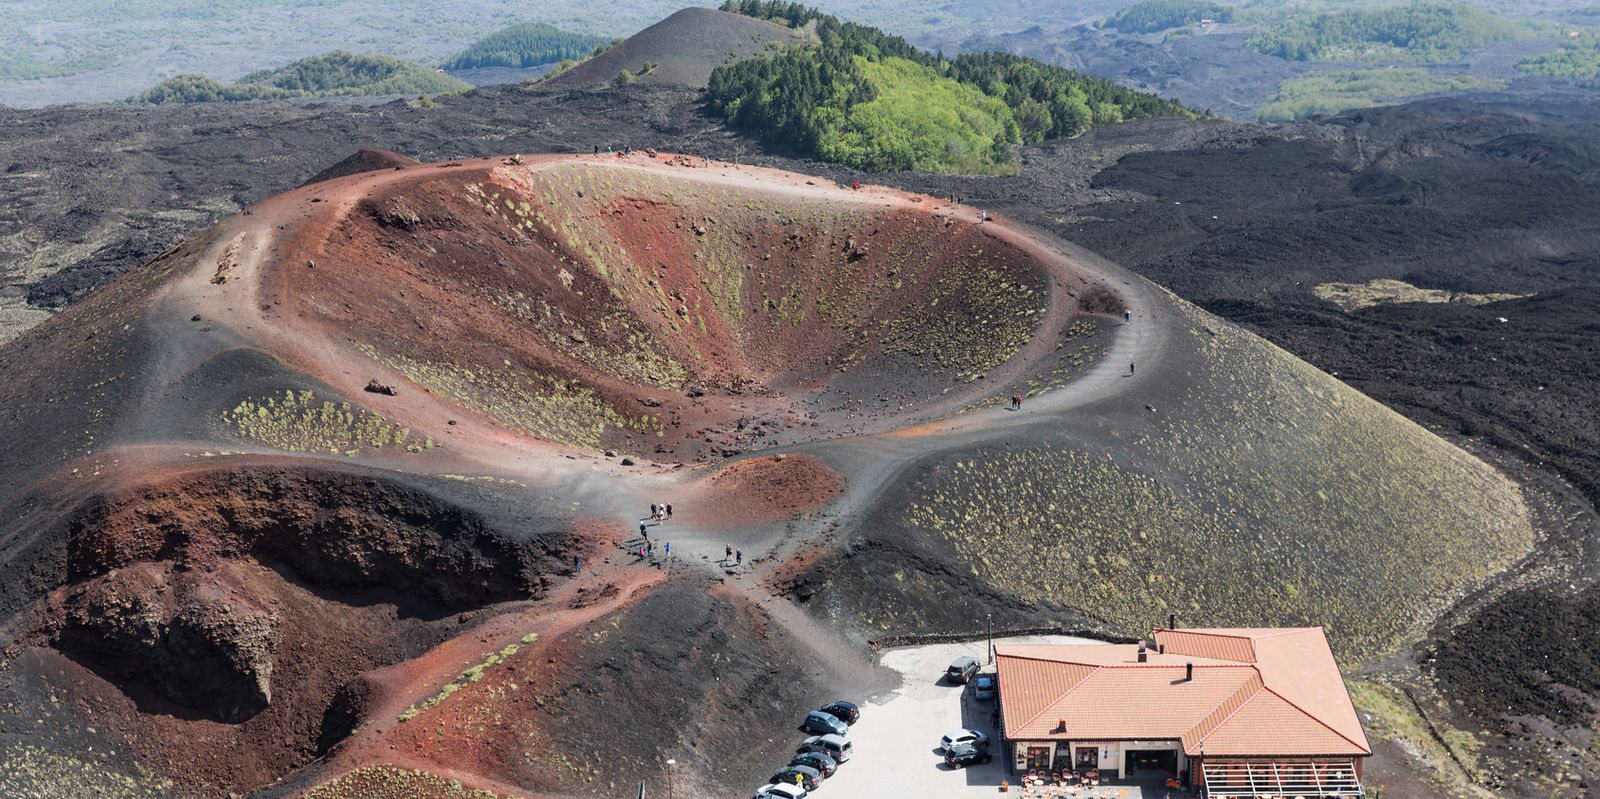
x=817 y=760
x=958 y=737
x=846 y=712
x=962 y=755
x=983 y=688
x=961 y=669
x=834 y=746
x=820 y=723
x=790 y=791
x=803 y=776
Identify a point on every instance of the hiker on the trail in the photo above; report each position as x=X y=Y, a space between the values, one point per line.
x=855 y=184
x=650 y=547
x=1127 y=315
x=1016 y=402
x=738 y=557
x=642 y=531
x=669 y=510
x=727 y=553
x=577 y=564
x=597 y=149
x=983 y=216
x=1130 y=368
x=641 y=552
x=667 y=549
x=654 y=512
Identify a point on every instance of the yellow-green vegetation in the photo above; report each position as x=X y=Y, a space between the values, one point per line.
x=1448 y=756
x=33 y=771
x=620 y=346
x=468 y=677
x=1579 y=58
x=297 y=422
x=1334 y=92
x=1356 y=296
x=1268 y=493
x=544 y=406
x=922 y=120
x=1426 y=33
x=390 y=782
x=974 y=318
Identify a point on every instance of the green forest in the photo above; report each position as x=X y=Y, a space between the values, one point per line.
x=1334 y=92
x=335 y=73
x=1426 y=33
x=1152 y=16
x=1575 y=59
x=526 y=45
x=872 y=101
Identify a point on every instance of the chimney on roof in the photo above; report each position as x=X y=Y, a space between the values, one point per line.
x=1061 y=725
x=1172 y=621
x=1142 y=655
x=1188 y=672
x=1161 y=648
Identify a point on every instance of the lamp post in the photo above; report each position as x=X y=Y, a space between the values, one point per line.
x=990 y=618
x=670 y=764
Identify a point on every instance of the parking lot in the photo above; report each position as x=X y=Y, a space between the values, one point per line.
x=897 y=739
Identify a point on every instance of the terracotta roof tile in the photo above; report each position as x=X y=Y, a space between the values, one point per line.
x=1256 y=691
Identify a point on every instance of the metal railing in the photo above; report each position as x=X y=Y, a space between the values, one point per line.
x=1254 y=779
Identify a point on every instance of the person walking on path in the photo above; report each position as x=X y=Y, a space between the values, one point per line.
x=1127 y=316
x=727 y=553
x=667 y=549
x=1016 y=402
x=641 y=552
x=643 y=531
x=669 y=510
x=1130 y=370
x=738 y=557
x=577 y=564
x=654 y=512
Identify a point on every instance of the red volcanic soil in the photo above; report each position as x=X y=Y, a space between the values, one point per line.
x=213 y=615
x=658 y=309
x=756 y=491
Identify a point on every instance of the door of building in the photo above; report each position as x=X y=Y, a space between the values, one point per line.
x=1039 y=757
x=1164 y=760
x=1086 y=757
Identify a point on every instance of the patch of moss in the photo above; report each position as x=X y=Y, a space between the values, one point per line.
x=33 y=771
x=391 y=782
x=547 y=407
x=297 y=422
x=473 y=674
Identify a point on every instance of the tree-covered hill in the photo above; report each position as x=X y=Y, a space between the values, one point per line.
x=335 y=73
x=525 y=45
x=1152 y=16
x=867 y=99
x=1426 y=33
x=340 y=72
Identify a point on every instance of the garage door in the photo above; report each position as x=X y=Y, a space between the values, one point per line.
x=1153 y=760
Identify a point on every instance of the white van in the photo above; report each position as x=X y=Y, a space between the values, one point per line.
x=835 y=746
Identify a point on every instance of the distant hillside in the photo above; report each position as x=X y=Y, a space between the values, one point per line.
x=680 y=50
x=340 y=72
x=201 y=89
x=1424 y=33
x=330 y=74
x=1152 y=16
x=1336 y=92
x=526 y=45
x=872 y=101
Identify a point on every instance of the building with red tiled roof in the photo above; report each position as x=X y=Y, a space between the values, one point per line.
x=1242 y=712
